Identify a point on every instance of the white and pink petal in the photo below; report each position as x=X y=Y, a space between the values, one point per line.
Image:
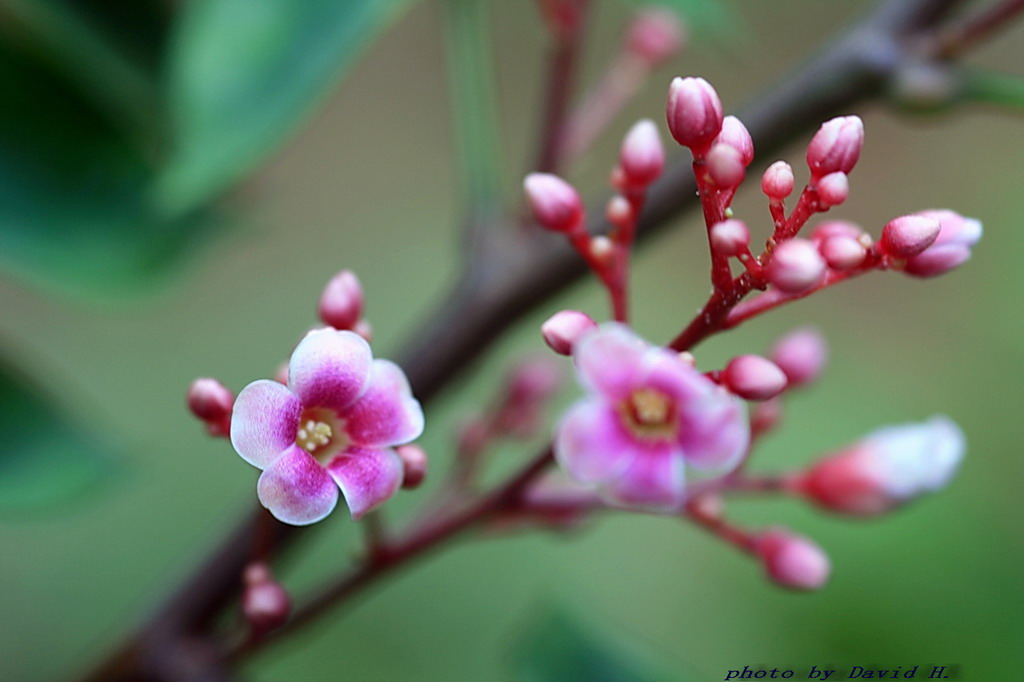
x=387 y=413
x=368 y=477
x=714 y=433
x=296 y=489
x=330 y=368
x=654 y=481
x=610 y=359
x=263 y=422
x=591 y=444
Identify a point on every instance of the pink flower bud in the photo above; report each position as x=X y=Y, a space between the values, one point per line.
x=602 y=249
x=341 y=303
x=842 y=252
x=833 y=189
x=265 y=603
x=835 y=148
x=211 y=401
x=642 y=157
x=840 y=228
x=729 y=237
x=796 y=266
x=534 y=379
x=735 y=134
x=414 y=465
x=618 y=211
x=793 y=561
x=777 y=181
x=801 y=354
x=725 y=166
x=364 y=329
x=908 y=235
x=563 y=329
x=694 y=113
x=886 y=468
x=655 y=35
x=753 y=378
x=555 y=204
x=950 y=249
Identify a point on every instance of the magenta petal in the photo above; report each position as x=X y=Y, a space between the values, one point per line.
x=653 y=480
x=367 y=477
x=608 y=359
x=387 y=414
x=296 y=489
x=263 y=422
x=591 y=445
x=330 y=368
x=714 y=432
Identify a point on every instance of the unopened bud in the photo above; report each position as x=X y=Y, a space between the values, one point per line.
x=601 y=248
x=801 y=354
x=793 y=561
x=777 y=181
x=752 y=377
x=908 y=235
x=694 y=113
x=414 y=465
x=341 y=303
x=618 y=211
x=887 y=468
x=534 y=379
x=642 y=157
x=736 y=135
x=842 y=252
x=957 y=235
x=565 y=328
x=796 y=267
x=655 y=35
x=833 y=189
x=835 y=148
x=555 y=203
x=725 y=166
x=364 y=329
x=729 y=237
x=840 y=228
x=265 y=603
x=211 y=401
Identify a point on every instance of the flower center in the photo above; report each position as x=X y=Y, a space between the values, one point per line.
x=649 y=413
x=313 y=435
x=321 y=433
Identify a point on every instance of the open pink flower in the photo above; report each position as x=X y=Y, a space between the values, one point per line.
x=332 y=426
x=649 y=412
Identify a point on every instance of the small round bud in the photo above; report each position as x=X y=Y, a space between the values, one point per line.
x=766 y=416
x=341 y=303
x=694 y=113
x=752 y=377
x=601 y=248
x=565 y=328
x=835 y=148
x=414 y=465
x=796 y=267
x=281 y=374
x=364 y=329
x=642 y=157
x=842 y=252
x=211 y=401
x=793 y=561
x=555 y=204
x=265 y=603
x=840 y=228
x=833 y=189
x=618 y=211
x=777 y=181
x=736 y=135
x=801 y=354
x=534 y=379
x=655 y=35
x=725 y=166
x=957 y=235
x=908 y=235
x=729 y=237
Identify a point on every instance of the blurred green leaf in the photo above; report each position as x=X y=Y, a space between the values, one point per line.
x=74 y=187
x=44 y=459
x=243 y=75
x=562 y=648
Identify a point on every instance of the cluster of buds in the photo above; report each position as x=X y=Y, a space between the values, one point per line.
x=650 y=414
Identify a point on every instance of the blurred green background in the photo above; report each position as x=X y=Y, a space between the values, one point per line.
x=368 y=183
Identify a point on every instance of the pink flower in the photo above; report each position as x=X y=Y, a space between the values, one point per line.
x=649 y=412
x=332 y=426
